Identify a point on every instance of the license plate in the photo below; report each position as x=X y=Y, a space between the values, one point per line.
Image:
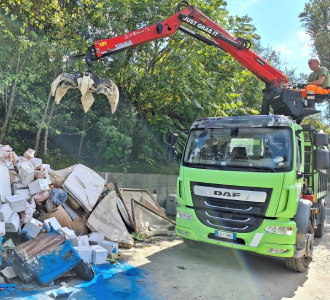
x=226 y=235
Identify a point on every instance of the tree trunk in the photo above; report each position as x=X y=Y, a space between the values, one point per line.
x=82 y=136
x=36 y=144
x=47 y=129
x=12 y=96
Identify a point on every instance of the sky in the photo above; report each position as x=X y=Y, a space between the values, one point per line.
x=278 y=25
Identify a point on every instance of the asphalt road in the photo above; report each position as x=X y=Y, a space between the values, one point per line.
x=175 y=271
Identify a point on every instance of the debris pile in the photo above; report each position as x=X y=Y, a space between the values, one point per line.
x=55 y=221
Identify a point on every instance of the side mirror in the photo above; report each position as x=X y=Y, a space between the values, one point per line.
x=321 y=139
x=172 y=139
x=321 y=159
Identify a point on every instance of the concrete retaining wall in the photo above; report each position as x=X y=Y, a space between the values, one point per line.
x=164 y=185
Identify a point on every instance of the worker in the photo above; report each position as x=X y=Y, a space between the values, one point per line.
x=317 y=83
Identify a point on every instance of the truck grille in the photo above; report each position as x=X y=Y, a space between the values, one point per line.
x=230 y=215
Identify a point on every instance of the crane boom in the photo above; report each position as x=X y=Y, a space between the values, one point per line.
x=283 y=101
x=238 y=48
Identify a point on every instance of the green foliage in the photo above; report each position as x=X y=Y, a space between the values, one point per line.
x=164 y=85
x=315 y=19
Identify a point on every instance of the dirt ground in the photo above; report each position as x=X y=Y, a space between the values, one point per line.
x=213 y=272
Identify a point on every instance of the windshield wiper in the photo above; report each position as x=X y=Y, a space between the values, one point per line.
x=195 y=165
x=260 y=169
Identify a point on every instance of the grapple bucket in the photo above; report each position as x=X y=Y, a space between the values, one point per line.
x=289 y=103
x=87 y=84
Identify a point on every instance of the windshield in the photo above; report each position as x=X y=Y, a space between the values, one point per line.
x=265 y=149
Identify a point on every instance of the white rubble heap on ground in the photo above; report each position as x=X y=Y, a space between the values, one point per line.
x=75 y=202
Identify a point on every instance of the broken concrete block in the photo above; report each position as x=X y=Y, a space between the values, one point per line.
x=99 y=255
x=2 y=280
x=17 y=186
x=5 y=212
x=111 y=247
x=26 y=172
x=5 y=189
x=32 y=228
x=85 y=186
x=53 y=221
x=95 y=238
x=83 y=240
x=37 y=186
x=13 y=223
x=37 y=162
x=17 y=203
x=85 y=252
x=24 y=193
x=9 y=272
x=2 y=228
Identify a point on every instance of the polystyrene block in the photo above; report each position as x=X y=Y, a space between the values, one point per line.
x=85 y=252
x=99 y=255
x=95 y=238
x=53 y=221
x=5 y=212
x=33 y=228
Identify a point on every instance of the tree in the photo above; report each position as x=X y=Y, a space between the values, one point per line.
x=316 y=19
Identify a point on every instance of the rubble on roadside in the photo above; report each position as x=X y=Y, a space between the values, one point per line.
x=56 y=221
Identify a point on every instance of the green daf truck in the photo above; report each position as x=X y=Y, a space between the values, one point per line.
x=254 y=183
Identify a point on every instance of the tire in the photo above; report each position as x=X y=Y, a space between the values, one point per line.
x=84 y=271
x=320 y=227
x=300 y=264
x=191 y=243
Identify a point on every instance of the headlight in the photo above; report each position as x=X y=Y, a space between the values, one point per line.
x=278 y=251
x=279 y=230
x=183 y=215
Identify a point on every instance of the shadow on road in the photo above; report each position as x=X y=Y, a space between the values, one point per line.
x=213 y=272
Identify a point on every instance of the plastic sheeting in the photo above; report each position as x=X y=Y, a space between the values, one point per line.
x=148 y=222
x=106 y=219
x=142 y=196
x=85 y=186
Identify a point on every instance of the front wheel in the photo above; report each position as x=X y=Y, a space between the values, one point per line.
x=300 y=264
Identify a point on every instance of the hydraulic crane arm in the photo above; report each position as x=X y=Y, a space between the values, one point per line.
x=238 y=48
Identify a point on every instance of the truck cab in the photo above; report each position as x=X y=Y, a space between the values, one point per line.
x=254 y=183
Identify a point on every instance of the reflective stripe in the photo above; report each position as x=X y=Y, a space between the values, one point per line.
x=256 y=240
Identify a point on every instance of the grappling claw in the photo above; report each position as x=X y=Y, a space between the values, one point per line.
x=87 y=84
